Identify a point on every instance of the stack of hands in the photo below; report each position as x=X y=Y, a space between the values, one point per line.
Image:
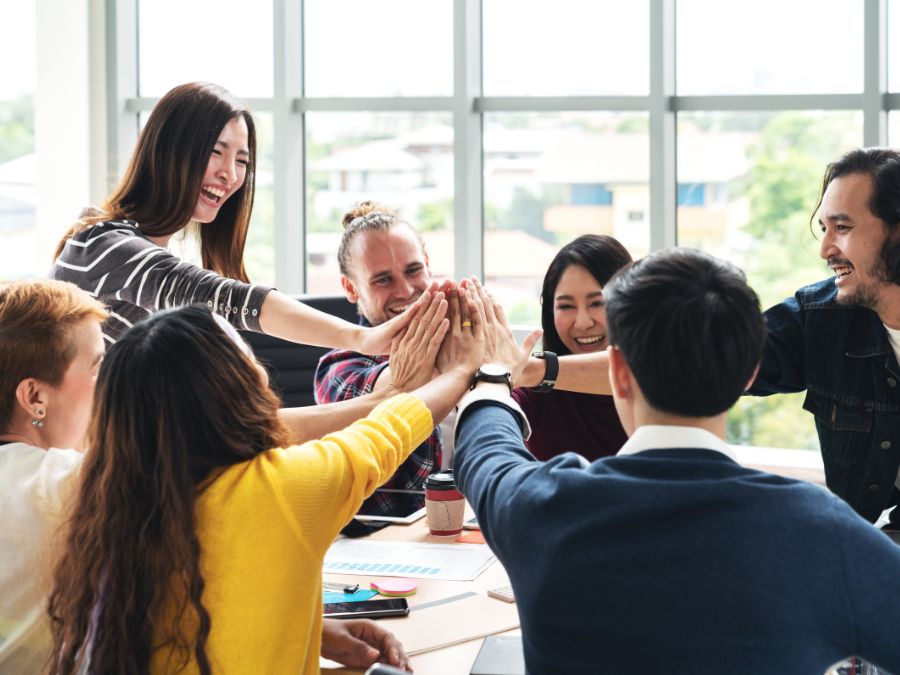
x=452 y=327
x=456 y=326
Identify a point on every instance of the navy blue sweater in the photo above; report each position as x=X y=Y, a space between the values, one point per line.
x=677 y=560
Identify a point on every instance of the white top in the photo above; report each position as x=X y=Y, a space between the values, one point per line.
x=659 y=436
x=36 y=485
x=894 y=337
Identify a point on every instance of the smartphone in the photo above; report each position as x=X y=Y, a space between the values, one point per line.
x=366 y=609
x=472 y=524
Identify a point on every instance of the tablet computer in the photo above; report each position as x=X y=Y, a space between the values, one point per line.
x=500 y=655
x=407 y=509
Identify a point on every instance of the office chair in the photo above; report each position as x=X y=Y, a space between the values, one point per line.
x=292 y=366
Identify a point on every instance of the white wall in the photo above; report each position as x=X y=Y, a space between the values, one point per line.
x=69 y=113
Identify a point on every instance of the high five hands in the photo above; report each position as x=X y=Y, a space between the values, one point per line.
x=500 y=343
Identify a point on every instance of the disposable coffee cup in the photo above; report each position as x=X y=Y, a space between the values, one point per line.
x=444 y=505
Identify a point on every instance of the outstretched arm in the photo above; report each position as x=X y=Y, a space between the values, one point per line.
x=284 y=317
x=584 y=373
x=412 y=355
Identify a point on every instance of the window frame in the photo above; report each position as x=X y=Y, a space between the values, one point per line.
x=467 y=106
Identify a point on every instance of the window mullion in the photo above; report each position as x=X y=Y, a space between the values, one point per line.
x=468 y=211
x=289 y=148
x=663 y=176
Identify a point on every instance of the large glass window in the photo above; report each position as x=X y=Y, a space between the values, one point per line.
x=564 y=111
x=21 y=255
x=893 y=53
x=401 y=160
x=769 y=47
x=228 y=42
x=566 y=48
x=760 y=175
x=365 y=48
x=550 y=177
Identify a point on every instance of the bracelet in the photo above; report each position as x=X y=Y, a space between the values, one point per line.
x=550 y=374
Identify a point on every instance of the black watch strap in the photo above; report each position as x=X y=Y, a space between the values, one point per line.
x=491 y=372
x=550 y=374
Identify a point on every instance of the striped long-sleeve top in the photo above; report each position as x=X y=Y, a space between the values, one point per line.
x=134 y=277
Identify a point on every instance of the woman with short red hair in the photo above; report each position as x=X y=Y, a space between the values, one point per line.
x=50 y=351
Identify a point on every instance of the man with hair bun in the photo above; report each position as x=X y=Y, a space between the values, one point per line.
x=384 y=270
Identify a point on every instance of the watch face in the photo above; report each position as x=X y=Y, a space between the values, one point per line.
x=494 y=370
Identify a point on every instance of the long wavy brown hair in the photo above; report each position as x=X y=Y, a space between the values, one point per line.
x=160 y=187
x=176 y=401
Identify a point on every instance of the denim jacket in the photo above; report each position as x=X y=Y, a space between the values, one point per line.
x=841 y=356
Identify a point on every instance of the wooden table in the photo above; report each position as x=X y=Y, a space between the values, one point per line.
x=455 y=660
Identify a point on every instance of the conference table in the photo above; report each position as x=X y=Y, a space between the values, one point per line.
x=473 y=606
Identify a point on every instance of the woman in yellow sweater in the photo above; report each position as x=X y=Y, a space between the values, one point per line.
x=198 y=540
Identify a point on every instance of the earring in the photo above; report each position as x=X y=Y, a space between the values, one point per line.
x=37 y=421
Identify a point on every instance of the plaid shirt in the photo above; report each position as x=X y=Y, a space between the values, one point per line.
x=342 y=375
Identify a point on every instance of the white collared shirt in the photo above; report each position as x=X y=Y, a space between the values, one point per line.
x=894 y=338
x=661 y=436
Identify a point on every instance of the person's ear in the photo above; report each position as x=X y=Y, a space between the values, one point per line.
x=32 y=397
x=349 y=289
x=619 y=374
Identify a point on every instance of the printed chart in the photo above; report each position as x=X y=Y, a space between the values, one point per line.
x=451 y=562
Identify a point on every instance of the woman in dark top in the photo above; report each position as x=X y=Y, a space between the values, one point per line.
x=574 y=322
x=194 y=164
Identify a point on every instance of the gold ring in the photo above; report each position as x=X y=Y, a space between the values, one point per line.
x=466 y=324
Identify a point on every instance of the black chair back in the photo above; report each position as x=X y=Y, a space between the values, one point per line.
x=292 y=366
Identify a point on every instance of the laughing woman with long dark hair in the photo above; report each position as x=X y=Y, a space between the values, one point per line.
x=195 y=163
x=574 y=322
x=198 y=538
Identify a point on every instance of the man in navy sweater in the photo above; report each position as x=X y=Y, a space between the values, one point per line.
x=670 y=556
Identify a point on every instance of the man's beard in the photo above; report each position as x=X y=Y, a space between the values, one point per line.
x=866 y=294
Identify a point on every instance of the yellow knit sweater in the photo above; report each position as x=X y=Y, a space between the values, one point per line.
x=264 y=527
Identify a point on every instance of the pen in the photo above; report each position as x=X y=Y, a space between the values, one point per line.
x=401 y=492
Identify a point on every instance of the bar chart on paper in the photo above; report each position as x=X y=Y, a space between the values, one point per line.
x=451 y=562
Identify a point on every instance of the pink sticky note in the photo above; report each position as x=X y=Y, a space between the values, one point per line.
x=394 y=587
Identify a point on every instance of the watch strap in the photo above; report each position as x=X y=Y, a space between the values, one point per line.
x=481 y=376
x=550 y=373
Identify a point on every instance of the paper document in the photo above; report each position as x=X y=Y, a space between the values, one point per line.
x=450 y=562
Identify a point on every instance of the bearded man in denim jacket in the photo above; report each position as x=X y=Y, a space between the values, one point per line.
x=839 y=339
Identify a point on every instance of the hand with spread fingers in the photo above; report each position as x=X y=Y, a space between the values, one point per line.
x=413 y=354
x=465 y=333
x=500 y=343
